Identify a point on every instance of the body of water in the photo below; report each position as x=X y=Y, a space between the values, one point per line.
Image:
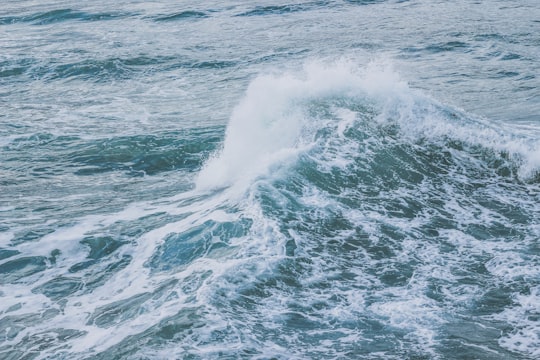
x=270 y=180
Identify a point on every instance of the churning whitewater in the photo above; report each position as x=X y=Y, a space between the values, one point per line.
x=271 y=181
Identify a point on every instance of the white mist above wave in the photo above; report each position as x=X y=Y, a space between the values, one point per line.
x=270 y=124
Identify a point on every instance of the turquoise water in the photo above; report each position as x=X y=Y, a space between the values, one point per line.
x=270 y=180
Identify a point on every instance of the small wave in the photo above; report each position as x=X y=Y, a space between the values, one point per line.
x=440 y=47
x=101 y=70
x=143 y=154
x=365 y=2
x=139 y=154
x=184 y=15
x=91 y=69
x=489 y=37
x=9 y=68
x=272 y=10
x=282 y=9
x=211 y=64
x=60 y=15
x=510 y=56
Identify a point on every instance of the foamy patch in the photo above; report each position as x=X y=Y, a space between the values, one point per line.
x=135 y=283
x=5 y=238
x=525 y=338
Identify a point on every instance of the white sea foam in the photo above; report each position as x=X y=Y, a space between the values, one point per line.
x=524 y=338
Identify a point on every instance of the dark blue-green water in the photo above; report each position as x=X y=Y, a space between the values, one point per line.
x=270 y=180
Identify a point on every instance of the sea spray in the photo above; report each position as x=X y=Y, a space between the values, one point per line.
x=268 y=124
x=272 y=122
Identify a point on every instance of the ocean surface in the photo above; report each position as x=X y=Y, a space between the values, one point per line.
x=270 y=179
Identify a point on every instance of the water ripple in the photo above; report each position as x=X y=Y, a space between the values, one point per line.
x=60 y=15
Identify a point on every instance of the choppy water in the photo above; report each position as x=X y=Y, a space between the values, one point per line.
x=270 y=180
